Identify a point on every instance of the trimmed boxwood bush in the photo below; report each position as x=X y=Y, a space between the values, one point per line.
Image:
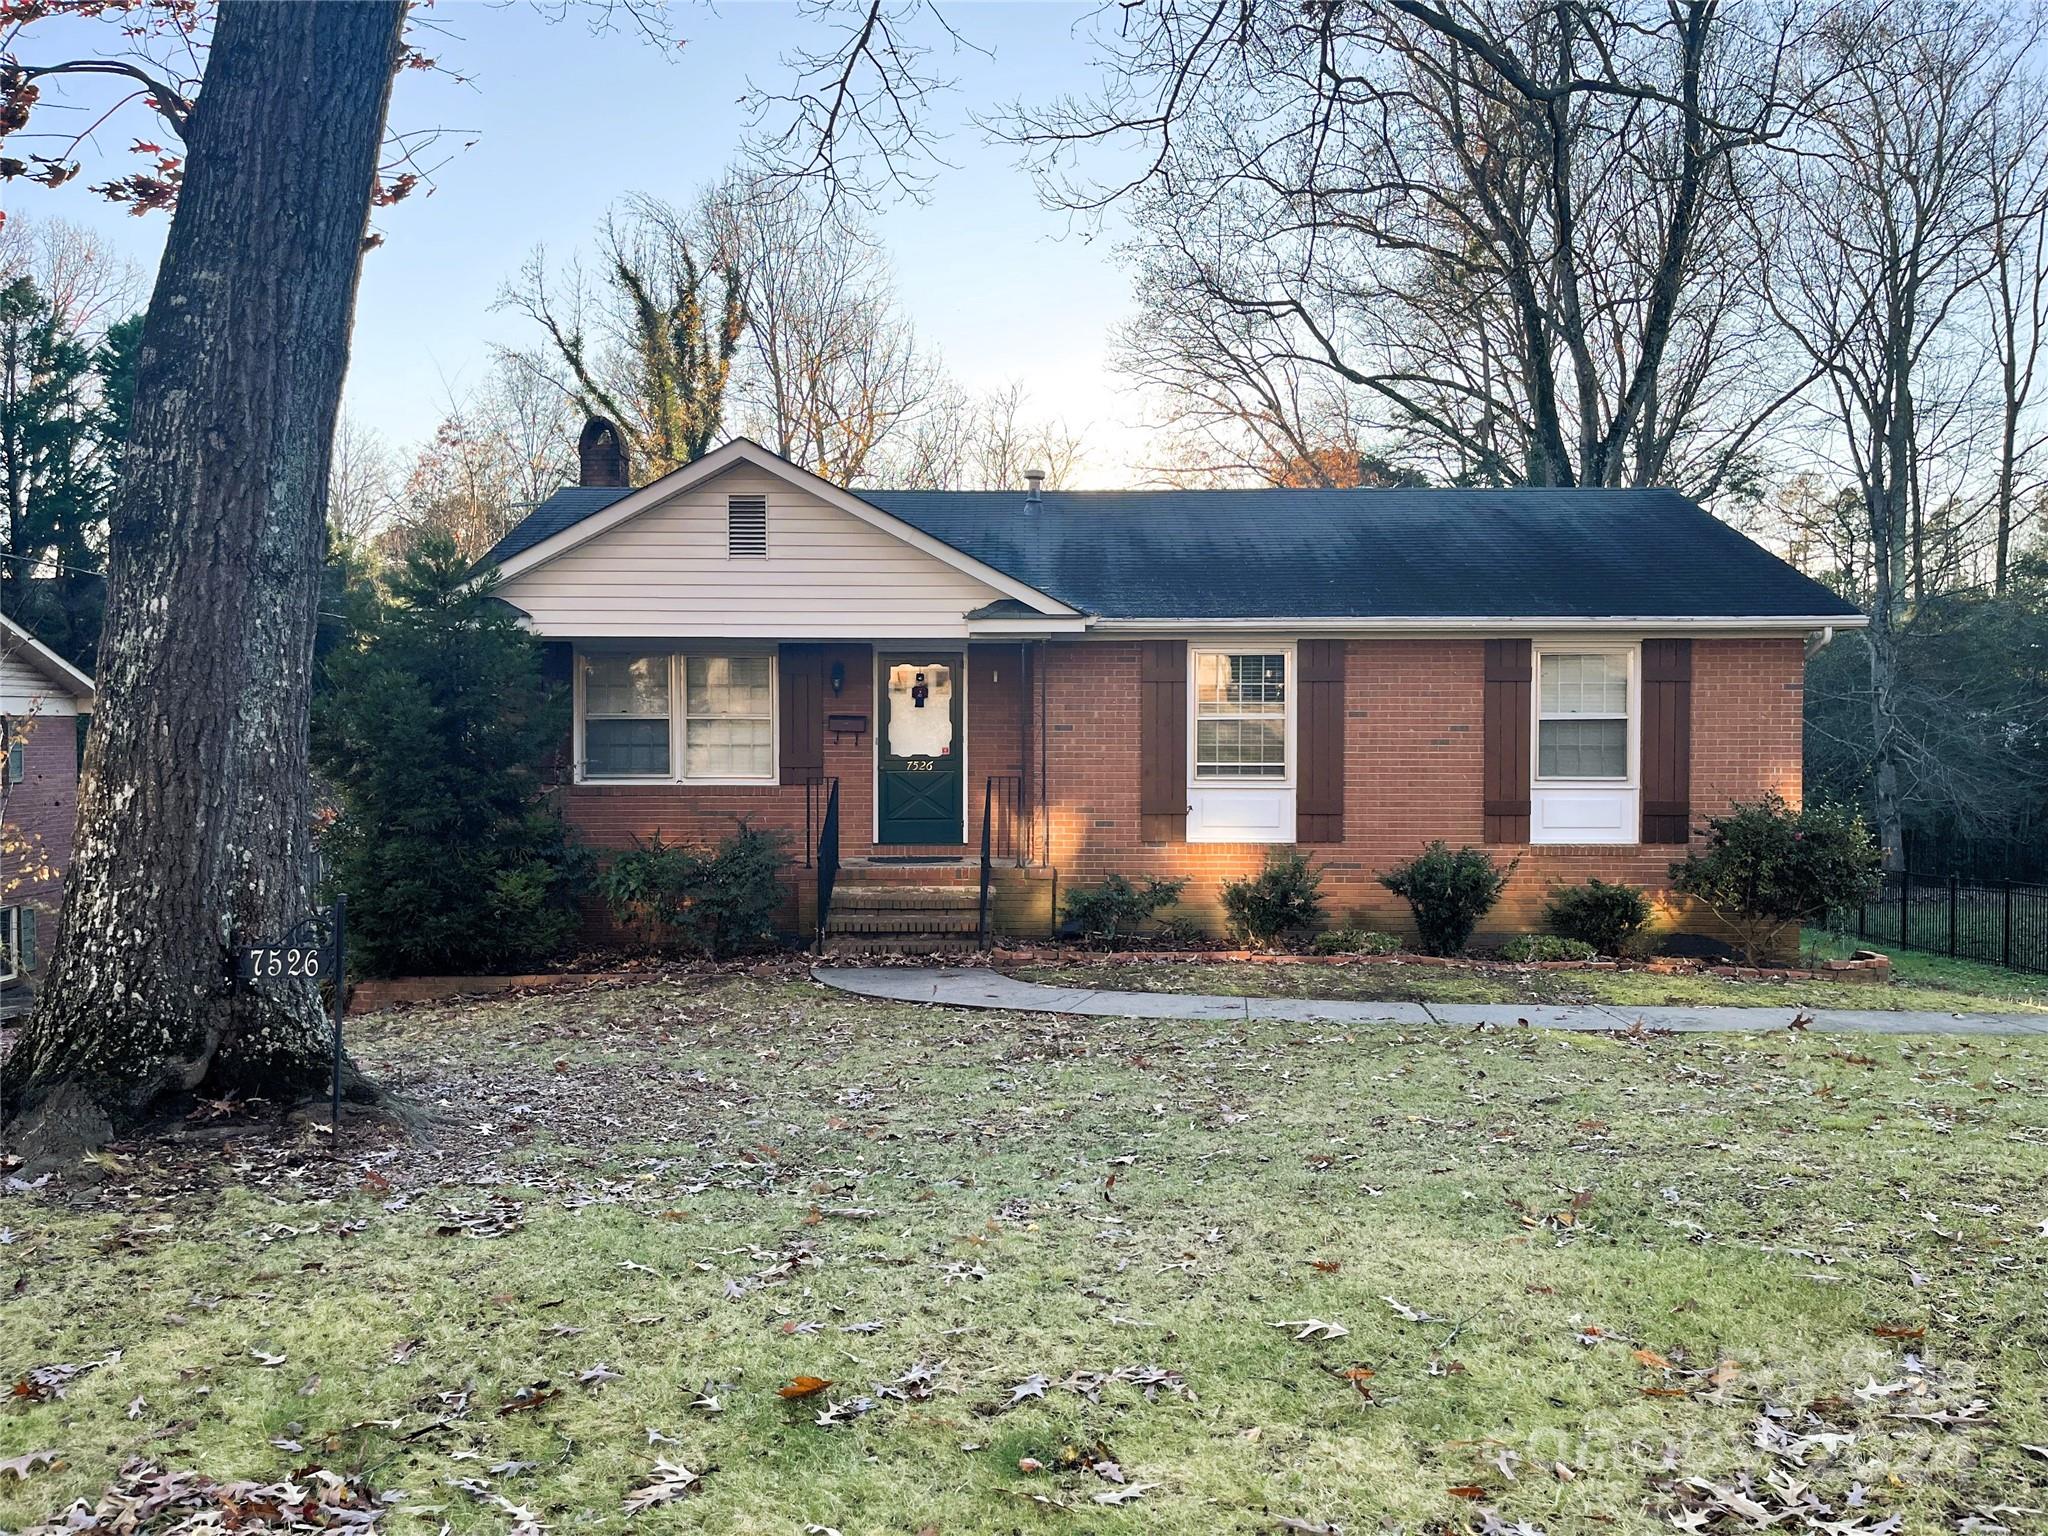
x=1356 y=941
x=1525 y=947
x=1449 y=891
x=1113 y=912
x=1282 y=904
x=1608 y=917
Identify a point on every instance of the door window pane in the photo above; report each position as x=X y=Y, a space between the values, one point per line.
x=920 y=703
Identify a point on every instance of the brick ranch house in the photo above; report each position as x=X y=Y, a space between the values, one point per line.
x=41 y=697
x=1158 y=682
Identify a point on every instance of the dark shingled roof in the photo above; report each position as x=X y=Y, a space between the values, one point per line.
x=1255 y=554
x=565 y=509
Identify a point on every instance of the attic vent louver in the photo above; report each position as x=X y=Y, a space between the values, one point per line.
x=746 y=526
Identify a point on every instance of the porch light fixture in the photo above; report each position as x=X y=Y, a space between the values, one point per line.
x=838 y=678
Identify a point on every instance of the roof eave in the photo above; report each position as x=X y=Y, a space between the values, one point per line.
x=17 y=641
x=1494 y=623
x=743 y=450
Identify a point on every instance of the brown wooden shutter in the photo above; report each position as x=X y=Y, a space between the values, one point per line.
x=1319 y=805
x=558 y=670
x=1667 y=741
x=801 y=686
x=1163 y=741
x=1506 y=777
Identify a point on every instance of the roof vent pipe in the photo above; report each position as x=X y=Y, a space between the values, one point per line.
x=1035 y=480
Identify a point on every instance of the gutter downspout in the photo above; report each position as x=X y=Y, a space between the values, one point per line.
x=1815 y=644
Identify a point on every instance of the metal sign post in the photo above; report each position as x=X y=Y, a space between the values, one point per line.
x=314 y=948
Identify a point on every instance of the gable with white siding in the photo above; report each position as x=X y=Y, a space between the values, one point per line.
x=35 y=680
x=668 y=570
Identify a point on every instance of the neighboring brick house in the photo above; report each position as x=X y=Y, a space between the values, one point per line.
x=1159 y=682
x=41 y=697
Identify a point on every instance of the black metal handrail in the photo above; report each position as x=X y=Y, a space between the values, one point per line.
x=1003 y=836
x=816 y=789
x=827 y=858
x=988 y=794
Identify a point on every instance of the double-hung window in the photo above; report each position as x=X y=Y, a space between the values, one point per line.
x=17 y=941
x=626 y=717
x=691 y=718
x=728 y=717
x=1582 y=715
x=1240 y=715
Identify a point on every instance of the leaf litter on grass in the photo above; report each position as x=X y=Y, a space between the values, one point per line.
x=1226 y=1146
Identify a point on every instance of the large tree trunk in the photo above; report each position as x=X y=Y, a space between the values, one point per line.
x=193 y=814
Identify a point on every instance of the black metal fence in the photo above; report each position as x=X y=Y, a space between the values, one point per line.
x=2004 y=922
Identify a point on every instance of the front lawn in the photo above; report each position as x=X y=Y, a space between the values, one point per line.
x=1919 y=981
x=1427 y=1281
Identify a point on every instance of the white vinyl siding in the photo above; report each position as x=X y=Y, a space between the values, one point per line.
x=669 y=573
x=25 y=691
x=701 y=716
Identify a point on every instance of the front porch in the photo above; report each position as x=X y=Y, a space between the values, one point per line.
x=898 y=766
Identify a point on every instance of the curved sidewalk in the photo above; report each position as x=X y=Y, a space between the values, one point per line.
x=972 y=987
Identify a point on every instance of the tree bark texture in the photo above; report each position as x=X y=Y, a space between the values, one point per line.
x=195 y=802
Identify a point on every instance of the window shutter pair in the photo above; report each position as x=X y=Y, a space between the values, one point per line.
x=801 y=692
x=1163 y=741
x=1666 y=734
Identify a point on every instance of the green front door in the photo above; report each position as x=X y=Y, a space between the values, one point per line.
x=919 y=777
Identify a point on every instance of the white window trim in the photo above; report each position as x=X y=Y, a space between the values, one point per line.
x=10 y=943
x=1632 y=657
x=677 y=705
x=1291 y=681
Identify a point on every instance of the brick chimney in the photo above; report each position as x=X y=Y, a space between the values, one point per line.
x=601 y=455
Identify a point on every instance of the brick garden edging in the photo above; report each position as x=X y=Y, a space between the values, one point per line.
x=1867 y=966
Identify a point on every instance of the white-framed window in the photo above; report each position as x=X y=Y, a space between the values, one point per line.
x=626 y=716
x=728 y=717
x=13 y=958
x=1585 y=701
x=1242 y=713
x=688 y=717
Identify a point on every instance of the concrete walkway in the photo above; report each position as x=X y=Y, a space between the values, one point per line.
x=968 y=987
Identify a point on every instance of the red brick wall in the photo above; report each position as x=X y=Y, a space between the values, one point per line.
x=611 y=815
x=1412 y=771
x=41 y=814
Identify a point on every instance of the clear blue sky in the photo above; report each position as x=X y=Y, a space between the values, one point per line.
x=569 y=122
